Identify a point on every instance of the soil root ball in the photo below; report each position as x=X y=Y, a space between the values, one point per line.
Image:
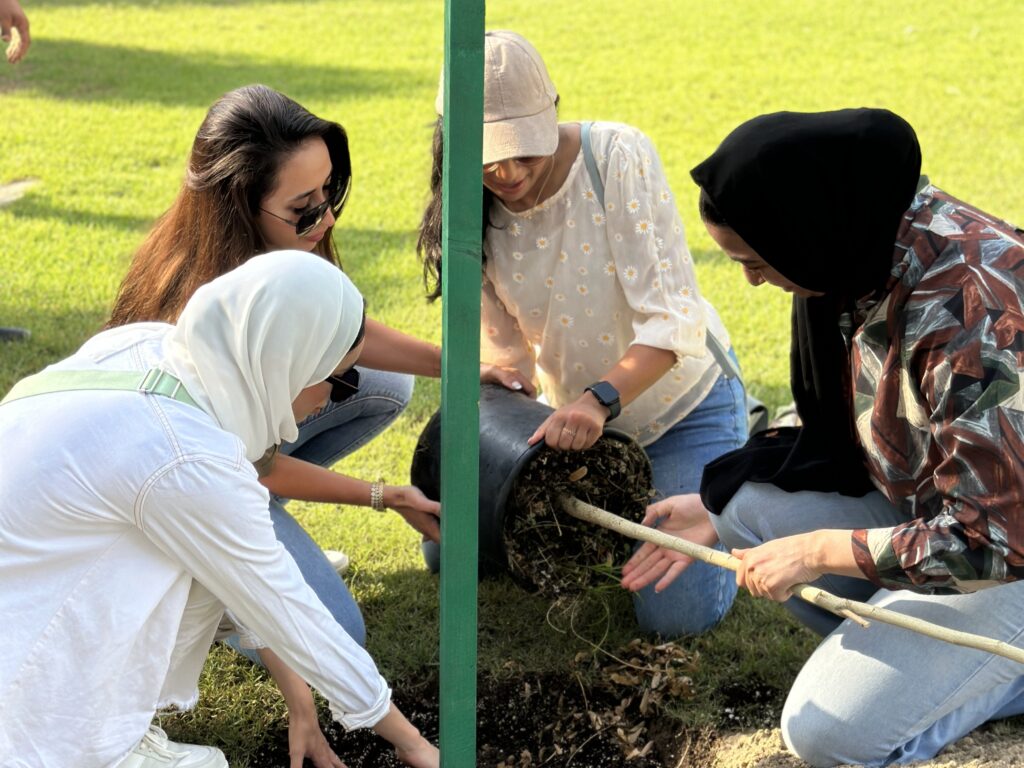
x=556 y=554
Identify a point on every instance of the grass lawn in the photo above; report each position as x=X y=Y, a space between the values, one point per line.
x=102 y=112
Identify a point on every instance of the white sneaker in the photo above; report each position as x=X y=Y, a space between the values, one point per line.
x=157 y=751
x=338 y=559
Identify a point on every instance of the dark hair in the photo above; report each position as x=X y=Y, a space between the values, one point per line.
x=211 y=227
x=708 y=212
x=428 y=246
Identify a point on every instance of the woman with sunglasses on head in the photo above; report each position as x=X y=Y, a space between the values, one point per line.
x=588 y=285
x=132 y=515
x=904 y=486
x=265 y=174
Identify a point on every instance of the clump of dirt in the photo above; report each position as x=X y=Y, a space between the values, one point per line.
x=553 y=553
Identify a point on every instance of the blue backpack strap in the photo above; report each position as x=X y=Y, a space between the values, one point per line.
x=721 y=355
x=152 y=382
x=591 y=163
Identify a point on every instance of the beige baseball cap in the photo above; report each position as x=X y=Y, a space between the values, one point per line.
x=520 y=119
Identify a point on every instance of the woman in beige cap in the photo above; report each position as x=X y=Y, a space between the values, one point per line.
x=589 y=290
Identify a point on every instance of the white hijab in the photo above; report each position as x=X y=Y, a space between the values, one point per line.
x=248 y=342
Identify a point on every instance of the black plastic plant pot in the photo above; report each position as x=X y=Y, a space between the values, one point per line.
x=507 y=419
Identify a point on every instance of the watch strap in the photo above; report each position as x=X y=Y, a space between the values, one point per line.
x=608 y=396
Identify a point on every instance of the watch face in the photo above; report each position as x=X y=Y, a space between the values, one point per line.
x=608 y=396
x=605 y=393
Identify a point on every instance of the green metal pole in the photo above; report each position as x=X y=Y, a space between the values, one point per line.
x=460 y=376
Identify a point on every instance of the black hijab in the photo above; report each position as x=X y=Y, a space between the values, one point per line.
x=818 y=196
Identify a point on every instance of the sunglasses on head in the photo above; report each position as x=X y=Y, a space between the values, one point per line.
x=310 y=218
x=343 y=386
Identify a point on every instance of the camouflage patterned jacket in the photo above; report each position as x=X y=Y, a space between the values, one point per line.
x=937 y=366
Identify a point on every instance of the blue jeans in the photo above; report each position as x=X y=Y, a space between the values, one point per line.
x=336 y=431
x=702 y=594
x=882 y=695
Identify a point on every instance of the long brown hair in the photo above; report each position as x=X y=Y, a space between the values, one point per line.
x=428 y=245
x=211 y=227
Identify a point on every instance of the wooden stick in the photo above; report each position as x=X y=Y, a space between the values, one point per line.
x=850 y=609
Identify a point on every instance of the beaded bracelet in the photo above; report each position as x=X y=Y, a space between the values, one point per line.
x=377 y=495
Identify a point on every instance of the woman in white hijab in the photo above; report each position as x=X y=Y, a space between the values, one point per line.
x=130 y=519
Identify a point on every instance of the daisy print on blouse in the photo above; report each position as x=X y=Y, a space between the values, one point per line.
x=584 y=269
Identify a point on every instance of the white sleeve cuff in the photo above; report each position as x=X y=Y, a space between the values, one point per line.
x=352 y=720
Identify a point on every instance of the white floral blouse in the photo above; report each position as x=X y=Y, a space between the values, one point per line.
x=568 y=287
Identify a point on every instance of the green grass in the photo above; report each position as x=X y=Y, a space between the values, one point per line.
x=103 y=110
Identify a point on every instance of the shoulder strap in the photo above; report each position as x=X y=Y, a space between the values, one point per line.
x=718 y=351
x=591 y=163
x=152 y=382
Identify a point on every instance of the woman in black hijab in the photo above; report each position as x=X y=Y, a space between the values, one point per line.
x=908 y=472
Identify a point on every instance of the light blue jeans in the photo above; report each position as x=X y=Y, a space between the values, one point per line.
x=338 y=430
x=882 y=695
x=702 y=594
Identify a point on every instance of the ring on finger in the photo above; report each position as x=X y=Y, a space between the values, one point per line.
x=570 y=432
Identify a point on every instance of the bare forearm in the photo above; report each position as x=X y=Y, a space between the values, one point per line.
x=394 y=727
x=389 y=350
x=638 y=369
x=297 y=694
x=294 y=478
x=832 y=552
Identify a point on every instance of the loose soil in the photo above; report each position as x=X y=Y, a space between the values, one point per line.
x=554 y=553
x=545 y=722
x=605 y=712
x=617 y=722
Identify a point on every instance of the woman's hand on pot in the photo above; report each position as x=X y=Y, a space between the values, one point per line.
x=682 y=516
x=421 y=513
x=510 y=378
x=573 y=427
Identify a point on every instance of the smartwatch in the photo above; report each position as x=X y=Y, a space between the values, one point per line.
x=606 y=395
